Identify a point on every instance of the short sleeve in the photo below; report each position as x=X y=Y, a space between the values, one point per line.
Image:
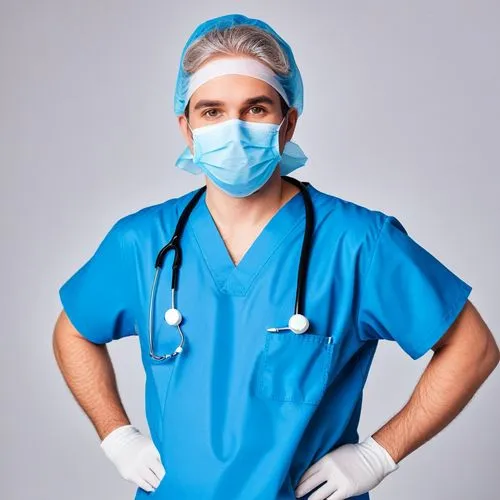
x=406 y=294
x=97 y=297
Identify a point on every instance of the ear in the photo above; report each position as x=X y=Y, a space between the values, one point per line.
x=185 y=131
x=287 y=131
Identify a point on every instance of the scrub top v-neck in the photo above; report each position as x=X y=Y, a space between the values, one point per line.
x=235 y=279
x=242 y=412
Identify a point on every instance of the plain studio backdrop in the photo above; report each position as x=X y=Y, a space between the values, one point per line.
x=401 y=115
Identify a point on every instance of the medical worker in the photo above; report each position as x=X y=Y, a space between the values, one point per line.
x=248 y=397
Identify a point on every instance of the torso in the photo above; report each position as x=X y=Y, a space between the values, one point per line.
x=242 y=412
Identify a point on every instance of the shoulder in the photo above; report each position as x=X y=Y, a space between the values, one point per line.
x=147 y=220
x=349 y=216
x=356 y=226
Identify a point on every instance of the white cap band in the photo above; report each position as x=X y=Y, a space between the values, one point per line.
x=235 y=66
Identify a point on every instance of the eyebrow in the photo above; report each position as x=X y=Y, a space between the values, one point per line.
x=206 y=103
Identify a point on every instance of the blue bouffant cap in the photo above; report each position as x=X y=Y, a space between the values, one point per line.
x=291 y=83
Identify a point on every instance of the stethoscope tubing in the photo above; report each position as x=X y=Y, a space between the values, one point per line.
x=174 y=244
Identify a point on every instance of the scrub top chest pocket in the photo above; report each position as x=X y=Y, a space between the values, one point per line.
x=294 y=367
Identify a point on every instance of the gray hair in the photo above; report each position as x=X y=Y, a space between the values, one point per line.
x=237 y=40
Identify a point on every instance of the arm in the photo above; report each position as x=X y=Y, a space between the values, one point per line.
x=88 y=372
x=464 y=358
x=407 y=295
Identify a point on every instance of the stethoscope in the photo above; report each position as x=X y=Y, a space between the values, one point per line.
x=298 y=323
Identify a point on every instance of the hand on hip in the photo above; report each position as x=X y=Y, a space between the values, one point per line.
x=347 y=471
x=135 y=456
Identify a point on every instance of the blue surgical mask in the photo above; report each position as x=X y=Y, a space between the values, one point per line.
x=239 y=156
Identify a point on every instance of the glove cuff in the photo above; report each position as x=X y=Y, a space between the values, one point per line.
x=118 y=438
x=382 y=454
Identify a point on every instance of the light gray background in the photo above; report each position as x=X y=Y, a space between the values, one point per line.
x=401 y=115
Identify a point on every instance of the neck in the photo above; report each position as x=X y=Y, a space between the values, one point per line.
x=230 y=212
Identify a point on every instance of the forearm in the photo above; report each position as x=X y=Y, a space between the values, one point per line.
x=449 y=381
x=89 y=374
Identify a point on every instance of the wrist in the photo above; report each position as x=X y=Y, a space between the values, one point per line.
x=104 y=429
x=118 y=438
x=383 y=457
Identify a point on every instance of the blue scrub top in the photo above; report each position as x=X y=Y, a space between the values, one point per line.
x=242 y=413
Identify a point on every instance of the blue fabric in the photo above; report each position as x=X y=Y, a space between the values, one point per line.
x=239 y=156
x=402 y=279
x=242 y=413
x=215 y=154
x=292 y=83
x=98 y=294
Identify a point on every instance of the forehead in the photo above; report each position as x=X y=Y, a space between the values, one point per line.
x=233 y=89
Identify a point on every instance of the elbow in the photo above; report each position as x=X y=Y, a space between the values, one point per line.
x=472 y=330
x=487 y=355
x=492 y=355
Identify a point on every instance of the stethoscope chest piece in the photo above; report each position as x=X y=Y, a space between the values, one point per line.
x=298 y=323
x=173 y=317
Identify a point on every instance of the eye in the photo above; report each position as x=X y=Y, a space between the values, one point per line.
x=211 y=113
x=256 y=110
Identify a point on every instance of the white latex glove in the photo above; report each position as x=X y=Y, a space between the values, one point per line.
x=349 y=470
x=135 y=456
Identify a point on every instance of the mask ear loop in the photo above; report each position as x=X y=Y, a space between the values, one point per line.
x=281 y=123
x=192 y=135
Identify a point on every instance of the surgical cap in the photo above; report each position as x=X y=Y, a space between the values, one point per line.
x=291 y=83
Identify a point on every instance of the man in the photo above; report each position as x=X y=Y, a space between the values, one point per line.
x=239 y=405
